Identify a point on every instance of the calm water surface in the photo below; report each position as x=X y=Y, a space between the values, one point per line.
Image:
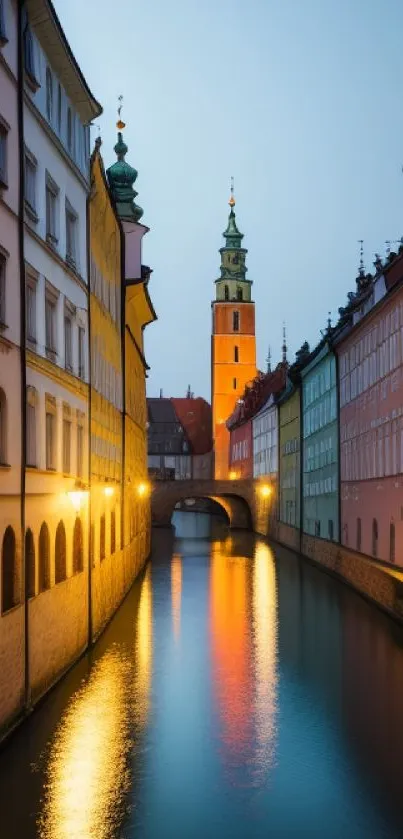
x=239 y=692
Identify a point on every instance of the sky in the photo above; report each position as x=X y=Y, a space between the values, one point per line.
x=300 y=101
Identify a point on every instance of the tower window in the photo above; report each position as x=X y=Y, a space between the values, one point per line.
x=236 y=354
x=226 y=293
x=235 y=321
x=234 y=384
x=239 y=294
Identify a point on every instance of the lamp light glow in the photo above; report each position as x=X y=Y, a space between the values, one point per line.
x=77 y=497
x=232 y=475
x=109 y=491
x=143 y=489
x=265 y=491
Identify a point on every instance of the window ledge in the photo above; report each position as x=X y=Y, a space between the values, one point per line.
x=31 y=213
x=14 y=608
x=51 y=354
x=5 y=467
x=31 y=81
x=52 y=241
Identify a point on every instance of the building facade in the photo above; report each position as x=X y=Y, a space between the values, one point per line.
x=289 y=456
x=11 y=533
x=233 y=344
x=241 y=451
x=320 y=442
x=371 y=426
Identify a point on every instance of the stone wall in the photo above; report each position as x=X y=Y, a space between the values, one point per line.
x=11 y=666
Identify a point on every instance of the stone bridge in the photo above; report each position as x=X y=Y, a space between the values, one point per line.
x=240 y=499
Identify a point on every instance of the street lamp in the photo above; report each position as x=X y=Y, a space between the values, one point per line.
x=265 y=490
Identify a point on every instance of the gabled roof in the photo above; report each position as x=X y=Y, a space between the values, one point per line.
x=161 y=410
x=195 y=417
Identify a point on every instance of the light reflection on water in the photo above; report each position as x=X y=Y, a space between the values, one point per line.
x=237 y=693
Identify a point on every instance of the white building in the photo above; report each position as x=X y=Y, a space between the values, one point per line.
x=265 y=440
x=58 y=107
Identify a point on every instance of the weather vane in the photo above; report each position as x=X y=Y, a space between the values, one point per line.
x=361 y=244
x=120 y=124
x=232 y=199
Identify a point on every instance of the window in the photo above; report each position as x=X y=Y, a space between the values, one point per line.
x=59 y=109
x=69 y=130
x=3 y=34
x=50 y=324
x=226 y=292
x=236 y=354
x=234 y=384
x=239 y=294
x=235 y=321
x=71 y=234
x=317 y=528
x=80 y=450
x=330 y=530
x=392 y=542
x=30 y=168
x=31 y=308
x=81 y=352
x=31 y=427
x=50 y=432
x=30 y=563
x=3 y=263
x=113 y=532
x=102 y=537
x=9 y=579
x=49 y=95
x=60 y=554
x=52 y=197
x=78 y=551
x=358 y=534
x=374 y=537
x=66 y=445
x=44 y=559
x=3 y=427
x=3 y=154
x=68 y=348
x=29 y=51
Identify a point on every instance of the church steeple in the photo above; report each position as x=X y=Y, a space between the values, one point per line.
x=232 y=284
x=121 y=177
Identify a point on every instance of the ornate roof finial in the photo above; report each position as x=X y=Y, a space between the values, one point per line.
x=268 y=359
x=361 y=270
x=329 y=321
x=120 y=125
x=284 y=345
x=231 y=201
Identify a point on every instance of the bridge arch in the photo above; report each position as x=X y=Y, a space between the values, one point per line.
x=235 y=497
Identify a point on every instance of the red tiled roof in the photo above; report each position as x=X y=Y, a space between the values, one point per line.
x=195 y=417
x=256 y=394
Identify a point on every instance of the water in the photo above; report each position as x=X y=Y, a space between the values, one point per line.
x=239 y=692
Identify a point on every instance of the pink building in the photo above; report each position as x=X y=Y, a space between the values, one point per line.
x=371 y=424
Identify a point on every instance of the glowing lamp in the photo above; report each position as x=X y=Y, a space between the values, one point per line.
x=109 y=491
x=143 y=489
x=232 y=475
x=265 y=491
x=77 y=497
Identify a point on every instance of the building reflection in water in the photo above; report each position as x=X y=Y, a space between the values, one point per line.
x=88 y=773
x=176 y=593
x=243 y=614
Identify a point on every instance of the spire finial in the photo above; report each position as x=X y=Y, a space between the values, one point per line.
x=268 y=359
x=361 y=268
x=329 y=321
x=284 y=345
x=231 y=201
x=120 y=125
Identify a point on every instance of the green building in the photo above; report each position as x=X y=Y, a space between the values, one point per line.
x=290 y=468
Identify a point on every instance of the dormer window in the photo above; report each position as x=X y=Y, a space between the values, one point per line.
x=49 y=95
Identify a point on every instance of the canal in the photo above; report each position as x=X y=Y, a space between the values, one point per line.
x=239 y=692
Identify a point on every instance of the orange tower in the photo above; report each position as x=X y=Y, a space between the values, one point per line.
x=233 y=341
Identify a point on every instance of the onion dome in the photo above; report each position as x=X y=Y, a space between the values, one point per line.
x=121 y=177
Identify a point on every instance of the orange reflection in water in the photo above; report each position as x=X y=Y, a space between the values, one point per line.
x=88 y=774
x=176 y=593
x=243 y=613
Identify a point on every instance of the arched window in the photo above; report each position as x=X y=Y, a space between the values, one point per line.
x=226 y=292
x=3 y=427
x=49 y=94
x=69 y=130
x=102 y=537
x=374 y=537
x=358 y=534
x=78 y=551
x=59 y=109
x=60 y=554
x=239 y=294
x=9 y=578
x=113 y=532
x=44 y=559
x=30 y=563
x=392 y=542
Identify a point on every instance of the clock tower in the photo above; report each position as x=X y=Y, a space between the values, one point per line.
x=233 y=341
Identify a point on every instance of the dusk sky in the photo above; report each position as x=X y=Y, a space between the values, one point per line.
x=300 y=100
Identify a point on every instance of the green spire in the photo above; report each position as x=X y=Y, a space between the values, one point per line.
x=233 y=238
x=233 y=254
x=121 y=178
